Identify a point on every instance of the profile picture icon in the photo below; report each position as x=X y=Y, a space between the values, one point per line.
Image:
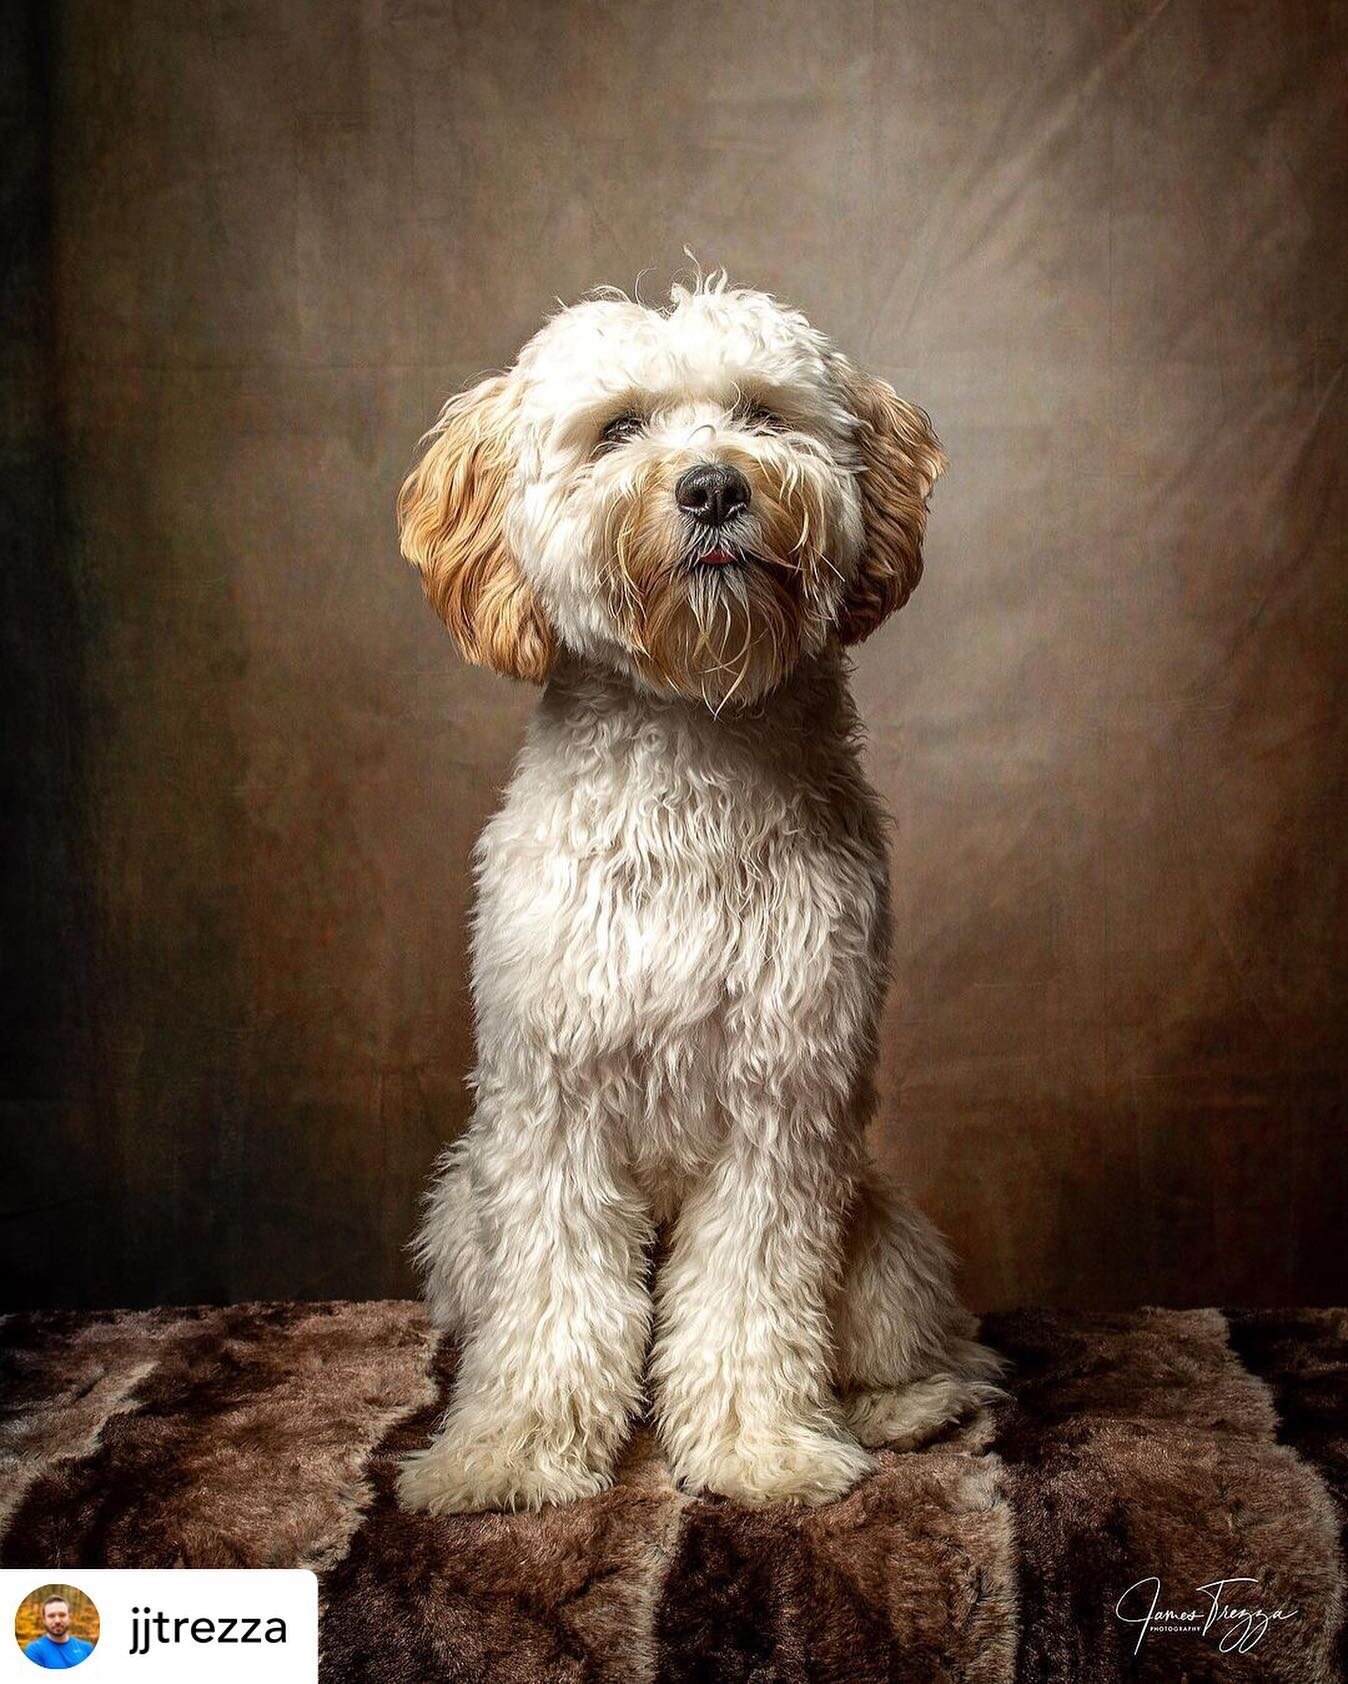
x=56 y=1627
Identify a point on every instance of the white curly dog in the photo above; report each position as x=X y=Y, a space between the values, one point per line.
x=674 y=519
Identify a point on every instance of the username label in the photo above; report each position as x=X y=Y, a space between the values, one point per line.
x=161 y=1623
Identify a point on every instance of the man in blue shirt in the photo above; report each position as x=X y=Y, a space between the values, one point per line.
x=56 y=1648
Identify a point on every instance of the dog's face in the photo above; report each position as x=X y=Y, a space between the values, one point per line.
x=697 y=496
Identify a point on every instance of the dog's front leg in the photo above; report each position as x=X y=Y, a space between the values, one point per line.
x=742 y=1360
x=551 y=1367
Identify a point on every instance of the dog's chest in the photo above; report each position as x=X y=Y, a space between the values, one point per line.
x=664 y=941
x=659 y=902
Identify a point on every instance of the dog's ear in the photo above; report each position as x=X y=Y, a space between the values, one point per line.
x=451 y=525
x=901 y=459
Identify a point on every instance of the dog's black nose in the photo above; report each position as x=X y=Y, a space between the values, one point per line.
x=712 y=493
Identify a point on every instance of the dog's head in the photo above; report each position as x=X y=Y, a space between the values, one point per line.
x=697 y=496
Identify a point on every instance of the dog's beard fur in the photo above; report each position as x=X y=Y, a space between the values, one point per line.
x=718 y=632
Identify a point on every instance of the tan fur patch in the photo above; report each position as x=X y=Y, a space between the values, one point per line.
x=901 y=460
x=451 y=523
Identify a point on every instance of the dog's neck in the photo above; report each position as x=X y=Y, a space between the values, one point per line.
x=599 y=730
x=810 y=713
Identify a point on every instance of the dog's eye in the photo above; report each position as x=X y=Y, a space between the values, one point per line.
x=622 y=428
x=759 y=415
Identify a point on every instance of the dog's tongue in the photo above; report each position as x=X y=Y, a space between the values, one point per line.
x=718 y=557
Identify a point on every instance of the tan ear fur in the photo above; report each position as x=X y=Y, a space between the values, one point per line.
x=451 y=525
x=901 y=459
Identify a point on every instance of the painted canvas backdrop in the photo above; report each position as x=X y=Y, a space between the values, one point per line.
x=1102 y=243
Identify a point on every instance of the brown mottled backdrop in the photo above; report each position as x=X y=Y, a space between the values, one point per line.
x=1103 y=241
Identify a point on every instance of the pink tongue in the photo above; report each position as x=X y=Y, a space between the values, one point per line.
x=718 y=557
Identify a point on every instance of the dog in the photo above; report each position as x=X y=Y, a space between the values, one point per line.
x=676 y=520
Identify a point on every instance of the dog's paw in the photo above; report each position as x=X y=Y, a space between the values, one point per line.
x=453 y=1477
x=794 y=1465
x=902 y=1417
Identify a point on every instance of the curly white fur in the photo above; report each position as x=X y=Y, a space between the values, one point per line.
x=682 y=925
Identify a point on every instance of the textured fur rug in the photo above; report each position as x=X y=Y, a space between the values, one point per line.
x=1189 y=1445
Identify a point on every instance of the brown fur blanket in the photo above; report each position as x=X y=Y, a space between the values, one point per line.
x=1188 y=1447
